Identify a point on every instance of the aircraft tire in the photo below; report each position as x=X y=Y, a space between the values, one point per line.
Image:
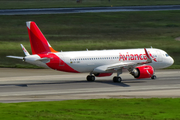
x=153 y=77
x=117 y=79
x=90 y=78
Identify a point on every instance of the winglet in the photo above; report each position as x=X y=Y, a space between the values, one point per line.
x=149 y=60
x=24 y=50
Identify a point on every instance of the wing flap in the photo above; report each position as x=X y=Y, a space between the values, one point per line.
x=112 y=67
x=120 y=65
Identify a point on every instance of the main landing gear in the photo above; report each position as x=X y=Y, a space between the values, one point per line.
x=90 y=78
x=116 y=79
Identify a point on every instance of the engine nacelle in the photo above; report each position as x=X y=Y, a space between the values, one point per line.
x=102 y=74
x=145 y=71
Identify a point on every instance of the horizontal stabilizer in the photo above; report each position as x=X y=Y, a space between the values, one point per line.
x=16 y=57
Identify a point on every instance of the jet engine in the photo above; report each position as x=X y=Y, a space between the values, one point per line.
x=102 y=74
x=145 y=71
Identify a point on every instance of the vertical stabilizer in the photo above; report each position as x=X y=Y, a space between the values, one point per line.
x=39 y=44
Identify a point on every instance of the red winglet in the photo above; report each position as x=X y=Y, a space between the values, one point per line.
x=149 y=60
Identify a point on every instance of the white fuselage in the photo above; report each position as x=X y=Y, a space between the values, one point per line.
x=87 y=61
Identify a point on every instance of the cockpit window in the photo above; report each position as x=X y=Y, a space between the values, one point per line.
x=167 y=55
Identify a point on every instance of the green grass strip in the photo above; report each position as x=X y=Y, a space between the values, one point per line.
x=94 y=109
x=95 y=31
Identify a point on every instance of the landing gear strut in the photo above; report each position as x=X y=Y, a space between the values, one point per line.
x=117 y=78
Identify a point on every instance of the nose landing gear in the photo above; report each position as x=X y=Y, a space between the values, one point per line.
x=153 y=77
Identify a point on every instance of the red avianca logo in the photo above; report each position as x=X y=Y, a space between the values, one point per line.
x=132 y=57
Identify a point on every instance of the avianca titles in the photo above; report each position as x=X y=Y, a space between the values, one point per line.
x=100 y=63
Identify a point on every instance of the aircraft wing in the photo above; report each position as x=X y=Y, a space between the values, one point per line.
x=120 y=65
x=113 y=67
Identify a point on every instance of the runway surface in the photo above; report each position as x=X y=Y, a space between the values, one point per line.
x=22 y=85
x=87 y=9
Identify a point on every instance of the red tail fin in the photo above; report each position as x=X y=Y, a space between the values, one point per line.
x=39 y=44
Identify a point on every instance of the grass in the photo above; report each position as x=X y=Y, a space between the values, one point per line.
x=68 y=32
x=20 y=4
x=96 y=109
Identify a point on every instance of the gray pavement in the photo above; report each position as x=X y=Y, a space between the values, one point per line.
x=87 y=10
x=21 y=85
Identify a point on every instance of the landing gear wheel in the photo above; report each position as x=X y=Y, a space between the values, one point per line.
x=153 y=77
x=117 y=79
x=90 y=78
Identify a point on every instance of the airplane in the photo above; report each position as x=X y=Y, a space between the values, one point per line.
x=140 y=62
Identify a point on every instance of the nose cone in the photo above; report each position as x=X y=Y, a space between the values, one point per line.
x=170 y=61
